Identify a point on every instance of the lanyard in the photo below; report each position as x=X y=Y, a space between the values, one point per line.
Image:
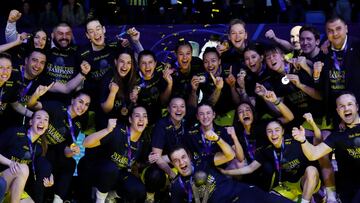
x=278 y=161
x=32 y=153
x=71 y=126
x=187 y=188
x=175 y=133
x=337 y=64
x=129 y=152
x=142 y=80
x=250 y=147
x=206 y=145
x=1 y=94
x=27 y=88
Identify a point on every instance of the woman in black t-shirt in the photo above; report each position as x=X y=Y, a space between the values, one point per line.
x=28 y=146
x=118 y=88
x=122 y=146
x=294 y=174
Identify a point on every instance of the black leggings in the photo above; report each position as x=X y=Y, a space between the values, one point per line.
x=126 y=185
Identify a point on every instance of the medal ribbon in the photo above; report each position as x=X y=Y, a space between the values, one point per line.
x=129 y=153
x=250 y=147
x=187 y=188
x=71 y=126
x=278 y=161
x=336 y=61
x=32 y=153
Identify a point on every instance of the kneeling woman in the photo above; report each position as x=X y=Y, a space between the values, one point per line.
x=295 y=175
x=123 y=146
x=28 y=146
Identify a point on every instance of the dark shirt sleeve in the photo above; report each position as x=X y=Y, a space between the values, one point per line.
x=332 y=140
x=158 y=138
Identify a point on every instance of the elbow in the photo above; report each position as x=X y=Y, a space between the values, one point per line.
x=230 y=156
x=86 y=143
x=105 y=108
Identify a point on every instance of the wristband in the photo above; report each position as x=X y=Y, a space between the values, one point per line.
x=303 y=142
x=277 y=102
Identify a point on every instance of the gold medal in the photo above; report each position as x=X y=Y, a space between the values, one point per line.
x=124 y=111
x=73 y=145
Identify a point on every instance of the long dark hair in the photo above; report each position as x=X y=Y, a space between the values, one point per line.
x=126 y=84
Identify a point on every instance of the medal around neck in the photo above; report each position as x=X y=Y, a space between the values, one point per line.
x=285 y=80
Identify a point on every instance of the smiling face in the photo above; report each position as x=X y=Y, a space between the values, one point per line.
x=294 y=37
x=34 y=64
x=40 y=39
x=123 y=64
x=184 y=56
x=347 y=108
x=238 y=36
x=80 y=104
x=275 y=60
x=211 y=62
x=205 y=116
x=147 y=66
x=62 y=35
x=275 y=133
x=139 y=119
x=245 y=113
x=181 y=161
x=95 y=32
x=39 y=123
x=5 y=70
x=253 y=61
x=177 y=109
x=308 y=42
x=336 y=32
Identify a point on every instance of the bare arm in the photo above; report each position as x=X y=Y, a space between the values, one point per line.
x=311 y=152
x=108 y=105
x=227 y=153
x=244 y=170
x=93 y=140
x=156 y=156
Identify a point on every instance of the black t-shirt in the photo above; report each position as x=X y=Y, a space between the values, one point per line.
x=254 y=142
x=59 y=128
x=122 y=105
x=182 y=81
x=347 y=152
x=222 y=189
x=7 y=94
x=149 y=95
x=291 y=158
x=62 y=66
x=199 y=146
x=225 y=102
x=25 y=88
x=117 y=148
x=165 y=136
x=102 y=63
x=14 y=145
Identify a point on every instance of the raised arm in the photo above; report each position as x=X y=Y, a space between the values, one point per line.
x=311 y=152
x=93 y=140
x=108 y=104
x=73 y=83
x=286 y=113
x=10 y=31
x=227 y=153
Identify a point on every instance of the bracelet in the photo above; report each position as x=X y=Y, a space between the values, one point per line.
x=218 y=139
x=303 y=142
x=277 y=102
